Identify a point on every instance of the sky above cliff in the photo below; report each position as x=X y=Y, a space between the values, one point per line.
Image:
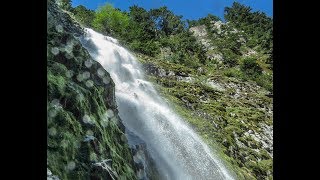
x=189 y=9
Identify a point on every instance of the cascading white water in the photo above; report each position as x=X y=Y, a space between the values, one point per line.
x=178 y=152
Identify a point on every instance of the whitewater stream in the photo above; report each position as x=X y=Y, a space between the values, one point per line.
x=177 y=151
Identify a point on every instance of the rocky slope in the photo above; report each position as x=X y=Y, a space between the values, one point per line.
x=85 y=135
x=232 y=115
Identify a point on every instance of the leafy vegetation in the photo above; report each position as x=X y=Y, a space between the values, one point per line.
x=203 y=21
x=110 y=20
x=250 y=67
x=83 y=15
x=257 y=25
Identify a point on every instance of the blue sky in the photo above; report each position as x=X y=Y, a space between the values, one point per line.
x=189 y=9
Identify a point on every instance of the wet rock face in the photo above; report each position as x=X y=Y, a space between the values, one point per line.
x=83 y=122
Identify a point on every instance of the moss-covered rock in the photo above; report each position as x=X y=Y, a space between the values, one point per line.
x=83 y=123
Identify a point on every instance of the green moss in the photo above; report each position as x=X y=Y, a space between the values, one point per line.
x=56 y=84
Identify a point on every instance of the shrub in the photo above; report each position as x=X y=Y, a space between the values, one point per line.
x=250 y=67
x=150 y=48
x=230 y=58
x=265 y=81
x=83 y=15
x=110 y=20
x=232 y=72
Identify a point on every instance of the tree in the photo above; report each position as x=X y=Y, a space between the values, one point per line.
x=166 y=22
x=141 y=23
x=237 y=14
x=83 y=15
x=257 y=25
x=110 y=20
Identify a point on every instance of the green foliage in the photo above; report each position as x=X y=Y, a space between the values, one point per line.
x=232 y=72
x=167 y=23
x=257 y=25
x=110 y=20
x=141 y=34
x=146 y=31
x=186 y=50
x=250 y=67
x=203 y=21
x=238 y=13
x=142 y=27
x=265 y=81
x=83 y=15
x=230 y=58
x=150 y=48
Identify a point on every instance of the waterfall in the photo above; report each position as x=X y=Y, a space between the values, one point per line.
x=177 y=151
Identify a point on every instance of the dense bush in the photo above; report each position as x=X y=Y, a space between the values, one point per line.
x=265 y=81
x=257 y=25
x=111 y=21
x=230 y=58
x=150 y=48
x=83 y=15
x=167 y=23
x=250 y=67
